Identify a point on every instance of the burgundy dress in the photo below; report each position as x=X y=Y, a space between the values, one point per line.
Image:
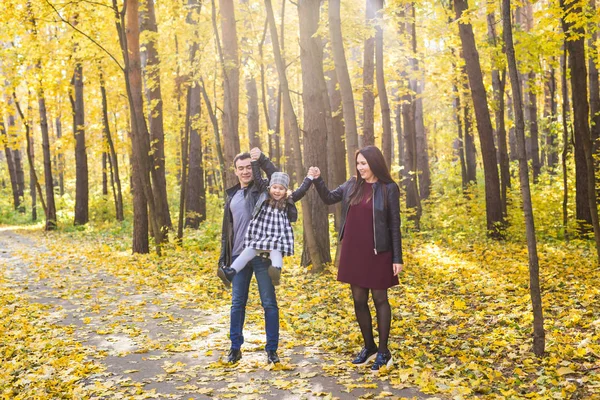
x=359 y=265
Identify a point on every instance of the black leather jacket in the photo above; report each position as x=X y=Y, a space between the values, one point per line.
x=252 y=194
x=386 y=213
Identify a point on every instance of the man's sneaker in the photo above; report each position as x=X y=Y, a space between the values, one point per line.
x=234 y=356
x=383 y=359
x=364 y=356
x=275 y=274
x=272 y=357
x=226 y=274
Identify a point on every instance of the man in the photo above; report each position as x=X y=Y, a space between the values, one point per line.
x=240 y=201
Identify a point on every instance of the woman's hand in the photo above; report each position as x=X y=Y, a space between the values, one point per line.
x=397 y=268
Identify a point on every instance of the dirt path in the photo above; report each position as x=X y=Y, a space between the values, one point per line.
x=151 y=346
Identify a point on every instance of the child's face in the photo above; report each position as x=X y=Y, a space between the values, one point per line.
x=277 y=191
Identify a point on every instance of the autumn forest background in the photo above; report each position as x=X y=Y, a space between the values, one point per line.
x=119 y=121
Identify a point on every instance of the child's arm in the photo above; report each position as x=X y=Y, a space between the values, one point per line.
x=259 y=181
x=301 y=191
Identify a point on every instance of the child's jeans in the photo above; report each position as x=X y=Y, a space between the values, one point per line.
x=249 y=253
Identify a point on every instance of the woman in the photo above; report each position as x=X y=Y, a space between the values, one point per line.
x=371 y=254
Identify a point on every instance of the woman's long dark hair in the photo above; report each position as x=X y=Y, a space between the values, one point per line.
x=377 y=165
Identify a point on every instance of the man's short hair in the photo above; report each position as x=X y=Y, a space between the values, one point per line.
x=241 y=156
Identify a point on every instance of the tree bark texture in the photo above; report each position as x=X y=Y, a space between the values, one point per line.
x=593 y=80
x=195 y=204
x=566 y=137
x=550 y=116
x=81 y=164
x=582 y=133
x=139 y=136
x=368 y=106
x=341 y=70
x=155 y=109
x=290 y=116
x=422 y=146
x=495 y=219
x=114 y=161
x=498 y=85
x=10 y=163
x=384 y=104
x=470 y=149
x=252 y=116
x=532 y=112
x=231 y=74
x=60 y=165
x=337 y=170
x=314 y=95
x=539 y=341
x=34 y=182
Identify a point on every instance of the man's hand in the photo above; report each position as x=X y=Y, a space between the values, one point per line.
x=255 y=154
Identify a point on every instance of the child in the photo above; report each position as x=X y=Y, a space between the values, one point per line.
x=270 y=229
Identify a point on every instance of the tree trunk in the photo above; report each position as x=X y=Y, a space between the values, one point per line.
x=498 y=84
x=470 y=149
x=316 y=104
x=593 y=78
x=534 y=148
x=81 y=165
x=185 y=142
x=550 y=111
x=495 y=219
x=341 y=70
x=459 y=147
x=142 y=164
x=230 y=65
x=399 y=134
x=155 y=110
x=195 y=204
x=61 y=159
x=215 y=123
x=422 y=146
x=8 y=152
x=337 y=170
x=583 y=140
x=368 y=130
x=566 y=137
x=34 y=183
x=386 y=120
x=50 y=208
x=252 y=116
x=114 y=161
x=534 y=280
x=290 y=115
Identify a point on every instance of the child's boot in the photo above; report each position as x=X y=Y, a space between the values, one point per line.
x=275 y=274
x=226 y=274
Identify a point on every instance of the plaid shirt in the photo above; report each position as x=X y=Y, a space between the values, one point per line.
x=270 y=230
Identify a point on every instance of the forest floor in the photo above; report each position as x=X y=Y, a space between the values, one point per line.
x=81 y=328
x=82 y=317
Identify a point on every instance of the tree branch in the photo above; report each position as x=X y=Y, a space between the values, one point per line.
x=86 y=35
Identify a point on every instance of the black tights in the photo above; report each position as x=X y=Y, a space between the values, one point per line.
x=363 y=315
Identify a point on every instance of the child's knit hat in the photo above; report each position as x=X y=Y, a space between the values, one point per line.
x=280 y=178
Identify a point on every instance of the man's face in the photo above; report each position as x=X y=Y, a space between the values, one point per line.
x=243 y=170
